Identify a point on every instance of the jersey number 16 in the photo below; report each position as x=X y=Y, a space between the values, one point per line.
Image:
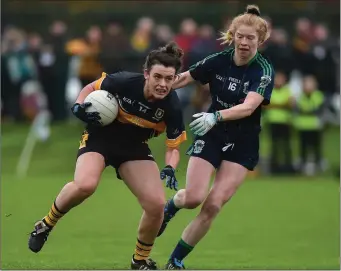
x=232 y=86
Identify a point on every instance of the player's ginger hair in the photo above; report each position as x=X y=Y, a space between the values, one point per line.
x=250 y=17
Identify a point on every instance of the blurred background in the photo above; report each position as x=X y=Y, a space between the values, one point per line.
x=51 y=49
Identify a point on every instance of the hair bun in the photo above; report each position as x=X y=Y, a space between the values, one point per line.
x=253 y=9
x=173 y=49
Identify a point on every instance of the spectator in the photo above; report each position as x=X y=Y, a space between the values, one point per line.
x=35 y=42
x=205 y=44
x=324 y=64
x=278 y=115
x=19 y=67
x=303 y=38
x=163 y=35
x=186 y=38
x=308 y=123
x=114 y=49
x=142 y=40
x=279 y=51
x=88 y=51
x=55 y=61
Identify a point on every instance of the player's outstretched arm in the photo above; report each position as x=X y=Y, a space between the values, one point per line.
x=183 y=79
x=252 y=101
x=85 y=92
x=206 y=121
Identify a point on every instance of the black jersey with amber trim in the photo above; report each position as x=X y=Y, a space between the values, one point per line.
x=139 y=120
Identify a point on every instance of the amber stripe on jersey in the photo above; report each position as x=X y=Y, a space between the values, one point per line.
x=172 y=143
x=99 y=81
x=125 y=117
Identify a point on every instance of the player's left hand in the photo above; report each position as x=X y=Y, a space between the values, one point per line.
x=168 y=173
x=79 y=110
x=203 y=123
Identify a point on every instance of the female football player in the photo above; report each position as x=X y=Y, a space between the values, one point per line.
x=227 y=136
x=147 y=108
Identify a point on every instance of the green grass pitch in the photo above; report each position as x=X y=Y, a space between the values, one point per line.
x=271 y=223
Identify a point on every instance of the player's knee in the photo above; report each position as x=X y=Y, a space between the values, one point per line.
x=86 y=187
x=210 y=210
x=193 y=203
x=154 y=206
x=193 y=200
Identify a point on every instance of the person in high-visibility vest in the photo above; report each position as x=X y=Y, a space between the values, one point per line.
x=308 y=121
x=279 y=116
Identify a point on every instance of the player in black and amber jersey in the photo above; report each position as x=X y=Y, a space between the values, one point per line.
x=139 y=119
x=227 y=136
x=147 y=108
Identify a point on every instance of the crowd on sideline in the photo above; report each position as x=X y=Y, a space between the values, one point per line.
x=60 y=63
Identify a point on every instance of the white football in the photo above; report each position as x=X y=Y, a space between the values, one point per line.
x=105 y=104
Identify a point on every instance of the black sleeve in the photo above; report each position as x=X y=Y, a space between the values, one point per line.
x=264 y=83
x=204 y=69
x=109 y=82
x=175 y=127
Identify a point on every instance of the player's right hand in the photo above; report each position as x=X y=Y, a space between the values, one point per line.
x=168 y=173
x=89 y=117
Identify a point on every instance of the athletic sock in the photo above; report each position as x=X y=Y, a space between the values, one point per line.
x=171 y=208
x=53 y=216
x=181 y=250
x=142 y=251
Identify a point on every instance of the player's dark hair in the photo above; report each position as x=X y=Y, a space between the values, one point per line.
x=169 y=56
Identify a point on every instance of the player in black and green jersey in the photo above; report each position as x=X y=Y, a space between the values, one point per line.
x=227 y=136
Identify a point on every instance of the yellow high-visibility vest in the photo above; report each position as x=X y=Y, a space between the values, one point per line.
x=308 y=118
x=279 y=96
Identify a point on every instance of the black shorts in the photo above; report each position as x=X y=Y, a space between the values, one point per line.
x=115 y=152
x=243 y=151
